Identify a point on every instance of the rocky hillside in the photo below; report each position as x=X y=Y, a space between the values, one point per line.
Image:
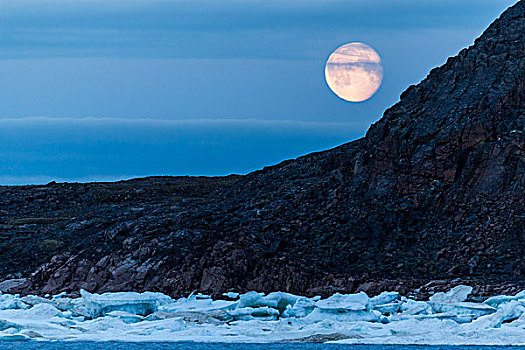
x=435 y=191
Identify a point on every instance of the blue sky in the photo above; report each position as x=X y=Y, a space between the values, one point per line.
x=95 y=90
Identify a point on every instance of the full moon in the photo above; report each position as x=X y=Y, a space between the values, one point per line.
x=354 y=72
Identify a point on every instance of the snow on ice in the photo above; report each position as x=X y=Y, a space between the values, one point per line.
x=447 y=318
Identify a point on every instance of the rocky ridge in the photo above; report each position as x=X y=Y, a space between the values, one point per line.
x=434 y=192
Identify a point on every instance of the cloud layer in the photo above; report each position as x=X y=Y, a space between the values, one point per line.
x=38 y=150
x=216 y=29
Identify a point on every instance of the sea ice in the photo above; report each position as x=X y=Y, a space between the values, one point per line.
x=387 y=318
x=455 y=295
x=141 y=304
x=496 y=301
x=414 y=307
x=345 y=302
x=506 y=312
x=231 y=295
x=384 y=298
x=250 y=313
x=452 y=304
x=301 y=308
x=11 y=302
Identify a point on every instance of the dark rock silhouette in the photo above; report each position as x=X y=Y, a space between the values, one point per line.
x=434 y=192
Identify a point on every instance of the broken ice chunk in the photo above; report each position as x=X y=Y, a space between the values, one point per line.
x=249 y=313
x=464 y=308
x=231 y=295
x=415 y=307
x=384 y=298
x=388 y=309
x=143 y=304
x=125 y=317
x=43 y=311
x=321 y=315
x=276 y=300
x=8 y=301
x=455 y=295
x=344 y=302
x=302 y=307
x=507 y=312
x=498 y=300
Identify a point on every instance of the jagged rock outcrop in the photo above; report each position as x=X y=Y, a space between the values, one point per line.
x=435 y=191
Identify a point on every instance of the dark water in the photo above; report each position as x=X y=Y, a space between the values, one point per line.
x=218 y=346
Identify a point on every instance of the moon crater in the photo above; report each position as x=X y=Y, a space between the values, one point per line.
x=354 y=72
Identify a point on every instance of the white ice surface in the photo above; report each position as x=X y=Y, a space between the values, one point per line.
x=255 y=317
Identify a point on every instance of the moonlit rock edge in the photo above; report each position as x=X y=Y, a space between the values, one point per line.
x=388 y=318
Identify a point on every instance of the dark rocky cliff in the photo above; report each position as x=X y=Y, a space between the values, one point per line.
x=435 y=191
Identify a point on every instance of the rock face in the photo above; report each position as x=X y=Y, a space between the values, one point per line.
x=435 y=191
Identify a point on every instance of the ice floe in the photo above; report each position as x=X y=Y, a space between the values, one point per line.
x=388 y=318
